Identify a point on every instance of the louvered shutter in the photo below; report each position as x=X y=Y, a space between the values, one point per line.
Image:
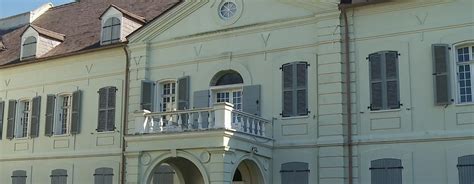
x=164 y=174
x=441 y=72
x=59 y=176
x=301 y=88
x=251 y=99
x=76 y=112
x=201 y=99
x=386 y=171
x=19 y=177
x=11 y=119
x=2 y=109
x=376 y=81
x=466 y=169
x=183 y=93
x=288 y=93
x=147 y=92
x=101 y=123
x=35 y=116
x=49 y=121
x=391 y=78
x=111 y=103
x=294 y=172
x=103 y=176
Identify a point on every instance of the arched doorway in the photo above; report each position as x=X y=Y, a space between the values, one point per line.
x=247 y=172
x=176 y=171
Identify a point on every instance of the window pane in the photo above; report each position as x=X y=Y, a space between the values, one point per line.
x=464 y=80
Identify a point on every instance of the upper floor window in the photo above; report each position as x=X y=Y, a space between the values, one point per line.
x=168 y=96
x=29 y=48
x=103 y=175
x=107 y=103
x=466 y=169
x=384 y=82
x=295 y=89
x=111 y=31
x=294 y=172
x=59 y=176
x=464 y=68
x=23 y=118
x=386 y=171
x=19 y=177
x=62 y=114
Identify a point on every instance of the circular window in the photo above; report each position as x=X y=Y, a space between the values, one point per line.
x=227 y=10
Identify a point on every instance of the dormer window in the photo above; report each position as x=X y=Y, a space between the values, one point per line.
x=29 y=48
x=111 y=31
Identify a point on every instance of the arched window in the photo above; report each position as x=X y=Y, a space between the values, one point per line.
x=59 y=176
x=227 y=77
x=19 y=177
x=103 y=175
x=111 y=31
x=29 y=47
x=466 y=169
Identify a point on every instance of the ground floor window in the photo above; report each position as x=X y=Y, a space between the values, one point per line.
x=386 y=171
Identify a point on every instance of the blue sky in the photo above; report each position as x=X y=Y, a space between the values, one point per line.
x=13 y=7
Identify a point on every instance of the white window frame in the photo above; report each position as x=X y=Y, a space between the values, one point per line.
x=120 y=18
x=227 y=88
x=58 y=114
x=19 y=116
x=160 y=96
x=456 y=75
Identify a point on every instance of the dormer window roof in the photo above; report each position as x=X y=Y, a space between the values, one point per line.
x=117 y=23
x=37 y=41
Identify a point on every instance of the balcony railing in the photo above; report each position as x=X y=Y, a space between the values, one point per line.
x=221 y=116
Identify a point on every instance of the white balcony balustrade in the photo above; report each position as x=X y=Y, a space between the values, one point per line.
x=221 y=116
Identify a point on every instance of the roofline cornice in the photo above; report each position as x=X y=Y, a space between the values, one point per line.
x=166 y=21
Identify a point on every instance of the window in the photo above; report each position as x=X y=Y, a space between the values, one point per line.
x=103 y=175
x=227 y=10
x=227 y=87
x=386 y=171
x=466 y=169
x=107 y=99
x=163 y=174
x=295 y=89
x=384 y=85
x=59 y=176
x=29 y=48
x=62 y=114
x=111 y=31
x=19 y=177
x=294 y=173
x=23 y=118
x=168 y=96
x=2 y=109
x=464 y=67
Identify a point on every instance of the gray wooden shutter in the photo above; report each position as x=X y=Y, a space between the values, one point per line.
x=2 y=109
x=183 y=93
x=111 y=103
x=386 y=171
x=163 y=175
x=11 y=119
x=49 y=121
x=76 y=112
x=287 y=92
x=101 y=123
x=376 y=81
x=391 y=78
x=59 y=176
x=251 y=99
x=19 y=177
x=146 y=101
x=35 y=117
x=441 y=74
x=201 y=99
x=294 y=172
x=103 y=175
x=466 y=169
x=301 y=87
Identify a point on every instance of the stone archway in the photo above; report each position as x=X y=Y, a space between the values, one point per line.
x=247 y=172
x=176 y=170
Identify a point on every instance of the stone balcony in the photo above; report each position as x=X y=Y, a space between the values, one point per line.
x=222 y=116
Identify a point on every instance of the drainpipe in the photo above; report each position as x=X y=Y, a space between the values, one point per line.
x=125 y=111
x=346 y=43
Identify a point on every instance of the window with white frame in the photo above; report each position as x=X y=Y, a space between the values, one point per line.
x=168 y=96
x=63 y=114
x=228 y=88
x=23 y=118
x=29 y=48
x=464 y=68
x=111 y=31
